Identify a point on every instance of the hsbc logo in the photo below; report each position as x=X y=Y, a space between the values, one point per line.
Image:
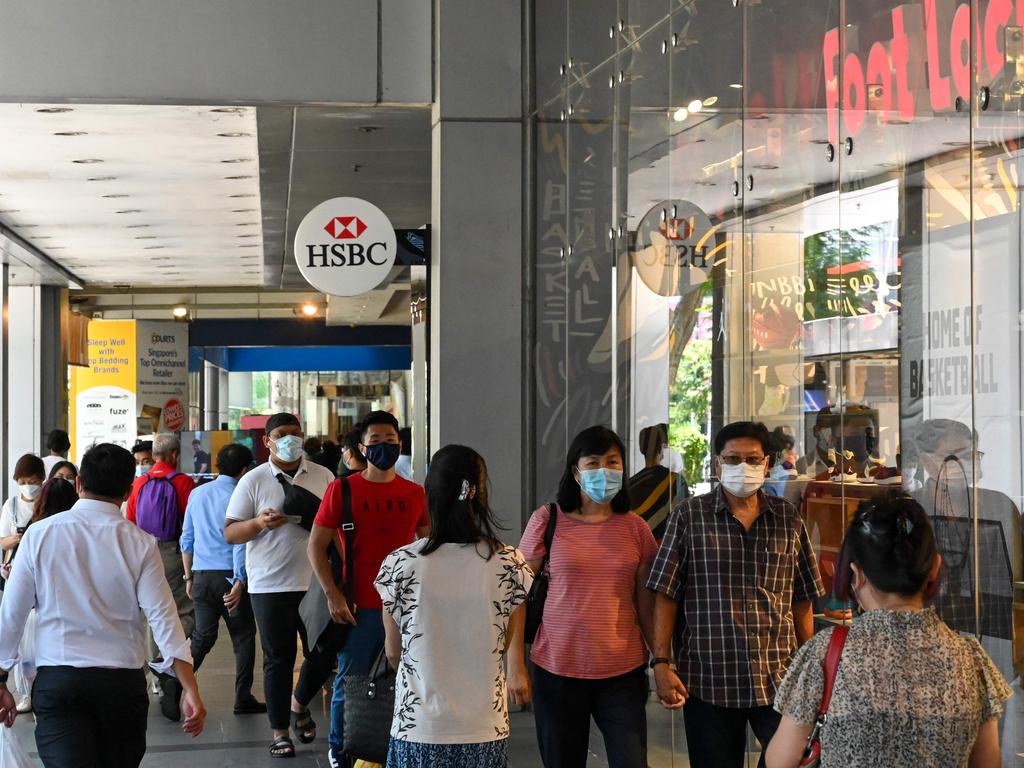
x=358 y=253
x=345 y=227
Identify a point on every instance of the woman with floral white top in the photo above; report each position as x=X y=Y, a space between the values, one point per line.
x=454 y=608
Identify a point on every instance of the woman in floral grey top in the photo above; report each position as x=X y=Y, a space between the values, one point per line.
x=909 y=690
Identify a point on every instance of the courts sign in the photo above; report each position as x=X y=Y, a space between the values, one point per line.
x=345 y=247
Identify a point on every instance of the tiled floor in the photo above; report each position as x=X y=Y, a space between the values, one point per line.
x=230 y=741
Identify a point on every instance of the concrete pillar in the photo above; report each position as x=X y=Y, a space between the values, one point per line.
x=53 y=359
x=211 y=396
x=475 y=302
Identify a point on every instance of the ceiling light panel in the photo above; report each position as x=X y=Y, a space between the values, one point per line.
x=168 y=161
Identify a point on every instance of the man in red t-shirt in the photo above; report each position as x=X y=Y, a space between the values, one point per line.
x=167 y=451
x=388 y=512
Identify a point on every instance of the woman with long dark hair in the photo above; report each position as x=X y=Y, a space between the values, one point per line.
x=57 y=495
x=909 y=690
x=589 y=655
x=454 y=610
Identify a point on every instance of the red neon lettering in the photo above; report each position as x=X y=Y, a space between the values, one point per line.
x=998 y=15
x=856 y=95
x=830 y=51
x=938 y=85
x=900 y=61
x=960 y=51
x=879 y=73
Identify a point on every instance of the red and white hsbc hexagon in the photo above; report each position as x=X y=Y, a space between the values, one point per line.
x=345 y=246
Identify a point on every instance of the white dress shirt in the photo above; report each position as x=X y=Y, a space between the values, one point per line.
x=87 y=572
x=276 y=561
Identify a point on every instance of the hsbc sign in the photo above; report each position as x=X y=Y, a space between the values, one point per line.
x=345 y=246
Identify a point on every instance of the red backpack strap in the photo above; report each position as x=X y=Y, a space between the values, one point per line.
x=835 y=652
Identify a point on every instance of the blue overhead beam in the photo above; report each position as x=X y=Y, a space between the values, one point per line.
x=353 y=358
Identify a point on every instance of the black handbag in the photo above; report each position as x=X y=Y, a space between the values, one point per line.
x=538 y=593
x=322 y=632
x=369 y=709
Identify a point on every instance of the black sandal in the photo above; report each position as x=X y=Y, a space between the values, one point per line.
x=282 y=747
x=304 y=727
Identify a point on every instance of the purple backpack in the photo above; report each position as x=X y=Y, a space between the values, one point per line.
x=156 y=511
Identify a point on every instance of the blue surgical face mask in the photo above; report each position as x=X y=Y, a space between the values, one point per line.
x=289 y=448
x=383 y=455
x=601 y=485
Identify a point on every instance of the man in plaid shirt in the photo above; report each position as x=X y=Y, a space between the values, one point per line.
x=738 y=566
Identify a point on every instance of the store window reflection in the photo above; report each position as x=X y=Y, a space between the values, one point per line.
x=806 y=214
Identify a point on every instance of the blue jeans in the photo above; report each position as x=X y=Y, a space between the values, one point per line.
x=364 y=642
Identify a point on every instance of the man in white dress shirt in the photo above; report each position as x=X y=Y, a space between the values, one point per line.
x=87 y=572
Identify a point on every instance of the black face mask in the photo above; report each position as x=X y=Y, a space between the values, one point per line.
x=383 y=455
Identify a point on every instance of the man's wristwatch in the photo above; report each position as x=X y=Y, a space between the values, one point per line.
x=186 y=578
x=662 y=660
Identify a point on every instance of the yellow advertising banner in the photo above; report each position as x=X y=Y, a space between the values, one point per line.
x=103 y=394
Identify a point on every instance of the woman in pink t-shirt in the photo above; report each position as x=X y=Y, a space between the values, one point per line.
x=590 y=654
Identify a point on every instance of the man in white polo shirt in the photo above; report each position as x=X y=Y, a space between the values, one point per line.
x=271 y=511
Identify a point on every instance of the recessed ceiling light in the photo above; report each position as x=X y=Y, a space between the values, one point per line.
x=114 y=197
x=229 y=110
x=138 y=226
x=680 y=114
x=251 y=235
x=180 y=311
x=145 y=237
x=102 y=178
x=237 y=160
x=245 y=210
x=130 y=210
x=737 y=86
x=243 y=194
x=309 y=310
x=11 y=210
x=766 y=167
x=25 y=226
x=710 y=101
x=369 y=128
x=234 y=134
x=153 y=247
x=246 y=224
x=70 y=133
x=88 y=161
x=53 y=110
x=249 y=245
x=695 y=106
x=237 y=178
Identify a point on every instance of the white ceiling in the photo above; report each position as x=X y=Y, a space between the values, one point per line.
x=167 y=195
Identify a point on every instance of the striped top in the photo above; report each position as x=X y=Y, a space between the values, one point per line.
x=590 y=627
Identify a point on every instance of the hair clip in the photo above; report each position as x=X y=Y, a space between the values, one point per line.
x=464 y=492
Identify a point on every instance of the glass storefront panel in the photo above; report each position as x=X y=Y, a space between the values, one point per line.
x=859 y=289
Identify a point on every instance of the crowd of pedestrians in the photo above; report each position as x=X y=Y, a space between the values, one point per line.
x=354 y=563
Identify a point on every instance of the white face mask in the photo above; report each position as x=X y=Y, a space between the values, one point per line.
x=141 y=469
x=742 y=480
x=29 y=492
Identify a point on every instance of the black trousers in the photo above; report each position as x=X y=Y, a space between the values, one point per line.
x=208 y=590
x=563 y=707
x=90 y=718
x=716 y=737
x=277 y=616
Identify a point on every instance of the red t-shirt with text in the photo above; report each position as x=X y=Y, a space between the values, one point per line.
x=386 y=516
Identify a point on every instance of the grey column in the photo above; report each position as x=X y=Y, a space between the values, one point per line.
x=476 y=271
x=53 y=361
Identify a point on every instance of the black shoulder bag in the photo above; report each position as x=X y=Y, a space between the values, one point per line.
x=538 y=594
x=322 y=632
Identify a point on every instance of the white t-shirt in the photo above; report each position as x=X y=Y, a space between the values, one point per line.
x=50 y=461
x=17 y=513
x=276 y=561
x=452 y=607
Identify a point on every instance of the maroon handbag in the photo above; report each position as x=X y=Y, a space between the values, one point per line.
x=812 y=754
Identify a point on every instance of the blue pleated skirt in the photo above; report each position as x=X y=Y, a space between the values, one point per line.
x=410 y=754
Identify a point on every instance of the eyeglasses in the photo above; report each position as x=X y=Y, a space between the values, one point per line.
x=750 y=461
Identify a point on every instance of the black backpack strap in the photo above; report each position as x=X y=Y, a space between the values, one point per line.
x=348 y=532
x=549 y=533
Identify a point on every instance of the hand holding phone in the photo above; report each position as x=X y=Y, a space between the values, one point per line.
x=269 y=519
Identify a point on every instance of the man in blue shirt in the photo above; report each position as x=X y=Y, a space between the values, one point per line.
x=215 y=575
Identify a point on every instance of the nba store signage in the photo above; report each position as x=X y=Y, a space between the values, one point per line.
x=345 y=246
